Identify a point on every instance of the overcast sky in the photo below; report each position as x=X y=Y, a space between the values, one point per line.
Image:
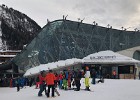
x=117 y=13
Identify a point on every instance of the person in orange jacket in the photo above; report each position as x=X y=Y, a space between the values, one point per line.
x=50 y=78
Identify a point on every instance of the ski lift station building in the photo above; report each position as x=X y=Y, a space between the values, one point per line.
x=65 y=39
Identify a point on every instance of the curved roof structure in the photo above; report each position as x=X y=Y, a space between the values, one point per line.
x=65 y=39
x=109 y=57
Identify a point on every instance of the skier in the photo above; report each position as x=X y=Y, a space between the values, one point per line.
x=11 y=82
x=42 y=83
x=87 y=76
x=64 y=82
x=50 y=78
x=56 y=83
x=78 y=77
x=37 y=83
x=69 y=80
x=73 y=78
x=93 y=74
x=60 y=80
x=31 y=82
x=114 y=74
x=17 y=84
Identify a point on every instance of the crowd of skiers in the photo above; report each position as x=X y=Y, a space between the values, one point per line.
x=46 y=81
x=18 y=82
x=11 y=82
x=66 y=79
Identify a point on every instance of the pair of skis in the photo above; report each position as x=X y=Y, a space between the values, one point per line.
x=56 y=91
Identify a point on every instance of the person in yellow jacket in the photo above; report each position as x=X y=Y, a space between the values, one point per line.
x=87 y=76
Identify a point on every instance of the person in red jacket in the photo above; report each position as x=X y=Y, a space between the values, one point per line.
x=42 y=83
x=50 y=78
x=69 y=79
x=11 y=81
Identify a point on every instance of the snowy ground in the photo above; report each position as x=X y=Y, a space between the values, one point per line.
x=110 y=90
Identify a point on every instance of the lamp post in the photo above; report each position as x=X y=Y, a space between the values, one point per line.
x=110 y=37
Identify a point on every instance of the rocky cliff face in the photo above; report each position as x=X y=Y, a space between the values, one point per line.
x=16 y=29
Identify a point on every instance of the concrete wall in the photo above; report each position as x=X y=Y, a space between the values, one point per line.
x=129 y=53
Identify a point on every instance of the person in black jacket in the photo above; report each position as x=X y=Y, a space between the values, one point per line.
x=93 y=75
x=18 y=83
x=78 y=76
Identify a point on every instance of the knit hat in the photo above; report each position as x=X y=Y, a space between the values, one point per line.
x=87 y=68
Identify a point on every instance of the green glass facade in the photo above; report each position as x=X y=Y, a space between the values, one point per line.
x=64 y=39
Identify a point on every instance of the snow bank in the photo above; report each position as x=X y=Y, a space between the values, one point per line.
x=53 y=65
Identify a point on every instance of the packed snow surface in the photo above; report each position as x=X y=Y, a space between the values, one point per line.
x=118 y=89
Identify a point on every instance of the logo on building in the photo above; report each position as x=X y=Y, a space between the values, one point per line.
x=102 y=57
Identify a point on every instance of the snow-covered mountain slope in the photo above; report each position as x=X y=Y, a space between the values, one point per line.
x=16 y=28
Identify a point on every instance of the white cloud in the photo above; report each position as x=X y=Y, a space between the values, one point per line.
x=114 y=12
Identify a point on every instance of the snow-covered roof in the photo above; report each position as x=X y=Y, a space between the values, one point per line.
x=103 y=57
x=108 y=57
x=10 y=50
x=7 y=55
x=53 y=65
